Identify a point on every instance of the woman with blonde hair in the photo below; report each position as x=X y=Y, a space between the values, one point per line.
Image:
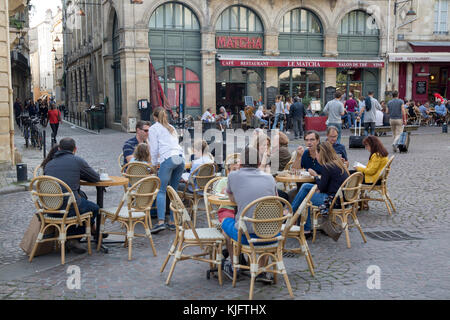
x=169 y=156
x=141 y=153
x=333 y=174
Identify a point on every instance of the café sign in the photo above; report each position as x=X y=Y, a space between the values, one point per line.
x=242 y=62
x=246 y=43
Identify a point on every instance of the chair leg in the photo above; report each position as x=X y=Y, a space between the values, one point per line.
x=172 y=269
x=347 y=235
x=33 y=252
x=100 y=233
x=308 y=257
x=88 y=223
x=219 y=265
x=390 y=201
x=170 y=253
x=355 y=219
x=149 y=234
x=252 y=285
x=282 y=270
x=63 y=251
x=235 y=265
x=130 y=236
x=386 y=202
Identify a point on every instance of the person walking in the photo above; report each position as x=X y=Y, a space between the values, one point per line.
x=287 y=107
x=397 y=117
x=297 y=112
x=351 y=106
x=54 y=118
x=371 y=105
x=166 y=153
x=279 y=113
x=17 y=111
x=335 y=110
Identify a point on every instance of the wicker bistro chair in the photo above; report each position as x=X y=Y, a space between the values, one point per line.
x=348 y=195
x=267 y=222
x=48 y=196
x=134 y=208
x=211 y=209
x=136 y=171
x=121 y=161
x=38 y=171
x=210 y=240
x=198 y=180
x=381 y=188
x=298 y=232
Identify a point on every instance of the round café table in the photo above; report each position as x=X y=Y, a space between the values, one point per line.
x=101 y=185
x=294 y=178
x=220 y=200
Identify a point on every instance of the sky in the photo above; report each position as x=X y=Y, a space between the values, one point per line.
x=40 y=6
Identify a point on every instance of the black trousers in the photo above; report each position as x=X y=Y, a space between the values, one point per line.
x=54 y=127
x=298 y=127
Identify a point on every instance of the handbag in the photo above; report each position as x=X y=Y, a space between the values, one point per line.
x=331 y=228
x=30 y=236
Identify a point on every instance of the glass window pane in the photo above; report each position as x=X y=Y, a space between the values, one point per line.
x=295 y=20
x=314 y=90
x=253 y=76
x=174 y=73
x=219 y=24
x=169 y=15
x=303 y=21
x=259 y=27
x=226 y=20
x=351 y=23
x=160 y=73
x=160 y=17
x=242 y=19
x=362 y=20
x=284 y=89
x=195 y=24
x=287 y=23
x=223 y=76
x=187 y=19
x=254 y=90
x=172 y=93
x=315 y=26
x=193 y=94
x=152 y=23
x=177 y=13
x=251 y=21
x=314 y=77
x=299 y=74
x=191 y=75
x=234 y=18
x=344 y=25
x=285 y=76
x=239 y=75
x=299 y=89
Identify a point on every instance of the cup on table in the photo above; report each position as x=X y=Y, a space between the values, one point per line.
x=103 y=174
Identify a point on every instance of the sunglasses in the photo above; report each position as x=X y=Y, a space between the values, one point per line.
x=146 y=130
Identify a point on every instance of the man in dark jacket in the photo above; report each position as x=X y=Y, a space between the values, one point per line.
x=69 y=168
x=297 y=112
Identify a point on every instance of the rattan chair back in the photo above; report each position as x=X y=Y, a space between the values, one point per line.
x=181 y=216
x=121 y=161
x=38 y=171
x=136 y=171
x=210 y=189
x=203 y=174
x=349 y=191
x=230 y=160
x=143 y=193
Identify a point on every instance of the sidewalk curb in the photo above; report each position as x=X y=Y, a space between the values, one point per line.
x=78 y=127
x=13 y=189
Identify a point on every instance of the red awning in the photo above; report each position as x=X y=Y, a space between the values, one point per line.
x=297 y=62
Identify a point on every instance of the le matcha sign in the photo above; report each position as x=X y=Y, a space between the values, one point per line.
x=247 y=43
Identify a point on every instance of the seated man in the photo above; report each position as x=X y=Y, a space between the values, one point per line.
x=441 y=112
x=130 y=145
x=332 y=134
x=207 y=116
x=69 y=168
x=245 y=186
x=424 y=111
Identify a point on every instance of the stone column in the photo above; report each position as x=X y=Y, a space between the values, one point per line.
x=409 y=77
x=271 y=73
x=208 y=90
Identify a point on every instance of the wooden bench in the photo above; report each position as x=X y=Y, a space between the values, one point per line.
x=408 y=128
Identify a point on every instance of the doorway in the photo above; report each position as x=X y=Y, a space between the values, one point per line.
x=230 y=95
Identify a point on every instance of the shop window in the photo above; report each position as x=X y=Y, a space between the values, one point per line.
x=285 y=76
x=238 y=75
x=300 y=82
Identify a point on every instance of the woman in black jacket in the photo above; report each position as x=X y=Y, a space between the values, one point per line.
x=334 y=172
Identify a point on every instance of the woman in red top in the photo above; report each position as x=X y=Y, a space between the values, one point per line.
x=54 y=118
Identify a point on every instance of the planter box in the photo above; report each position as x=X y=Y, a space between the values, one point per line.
x=316 y=123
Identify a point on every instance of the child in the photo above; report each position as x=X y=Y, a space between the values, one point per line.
x=141 y=153
x=226 y=211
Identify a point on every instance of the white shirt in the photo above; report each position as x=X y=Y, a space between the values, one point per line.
x=379 y=118
x=279 y=107
x=259 y=114
x=207 y=116
x=287 y=105
x=163 y=144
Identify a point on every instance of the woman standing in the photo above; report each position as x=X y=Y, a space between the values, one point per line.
x=287 y=107
x=334 y=173
x=54 y=118
x=168 y=155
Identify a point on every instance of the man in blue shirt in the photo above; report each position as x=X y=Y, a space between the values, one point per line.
x=309 y=156
x=142 y=128
x=332 y=135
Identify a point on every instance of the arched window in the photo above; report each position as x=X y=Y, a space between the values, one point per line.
x=358 y=35
x=175 y=43
x=173 y=15
x=239 y=19
x=358 y=23
x=301 y=32
x=300 y=20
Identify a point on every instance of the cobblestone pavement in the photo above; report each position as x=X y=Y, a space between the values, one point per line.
x=410 y=269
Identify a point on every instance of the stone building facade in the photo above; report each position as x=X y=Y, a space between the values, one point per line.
x=219 y=51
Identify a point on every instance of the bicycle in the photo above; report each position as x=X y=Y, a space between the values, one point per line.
x=36 y=135
x=26 y=130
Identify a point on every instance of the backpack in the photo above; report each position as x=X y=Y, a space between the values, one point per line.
x=368 y=103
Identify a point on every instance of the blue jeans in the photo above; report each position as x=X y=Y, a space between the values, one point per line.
x=228 y=226
x=350 y=119
x=169 y=173
x=339 y=127
x=317 y=199
x=275 y=122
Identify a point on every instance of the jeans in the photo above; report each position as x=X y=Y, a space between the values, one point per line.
x=298 y=127
x=275 y=122
x=54 y=127
x=261 y=120
x=369 y=128
x=350 y=119
x=169 y=173
x=339 y=127
x=317 y=199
